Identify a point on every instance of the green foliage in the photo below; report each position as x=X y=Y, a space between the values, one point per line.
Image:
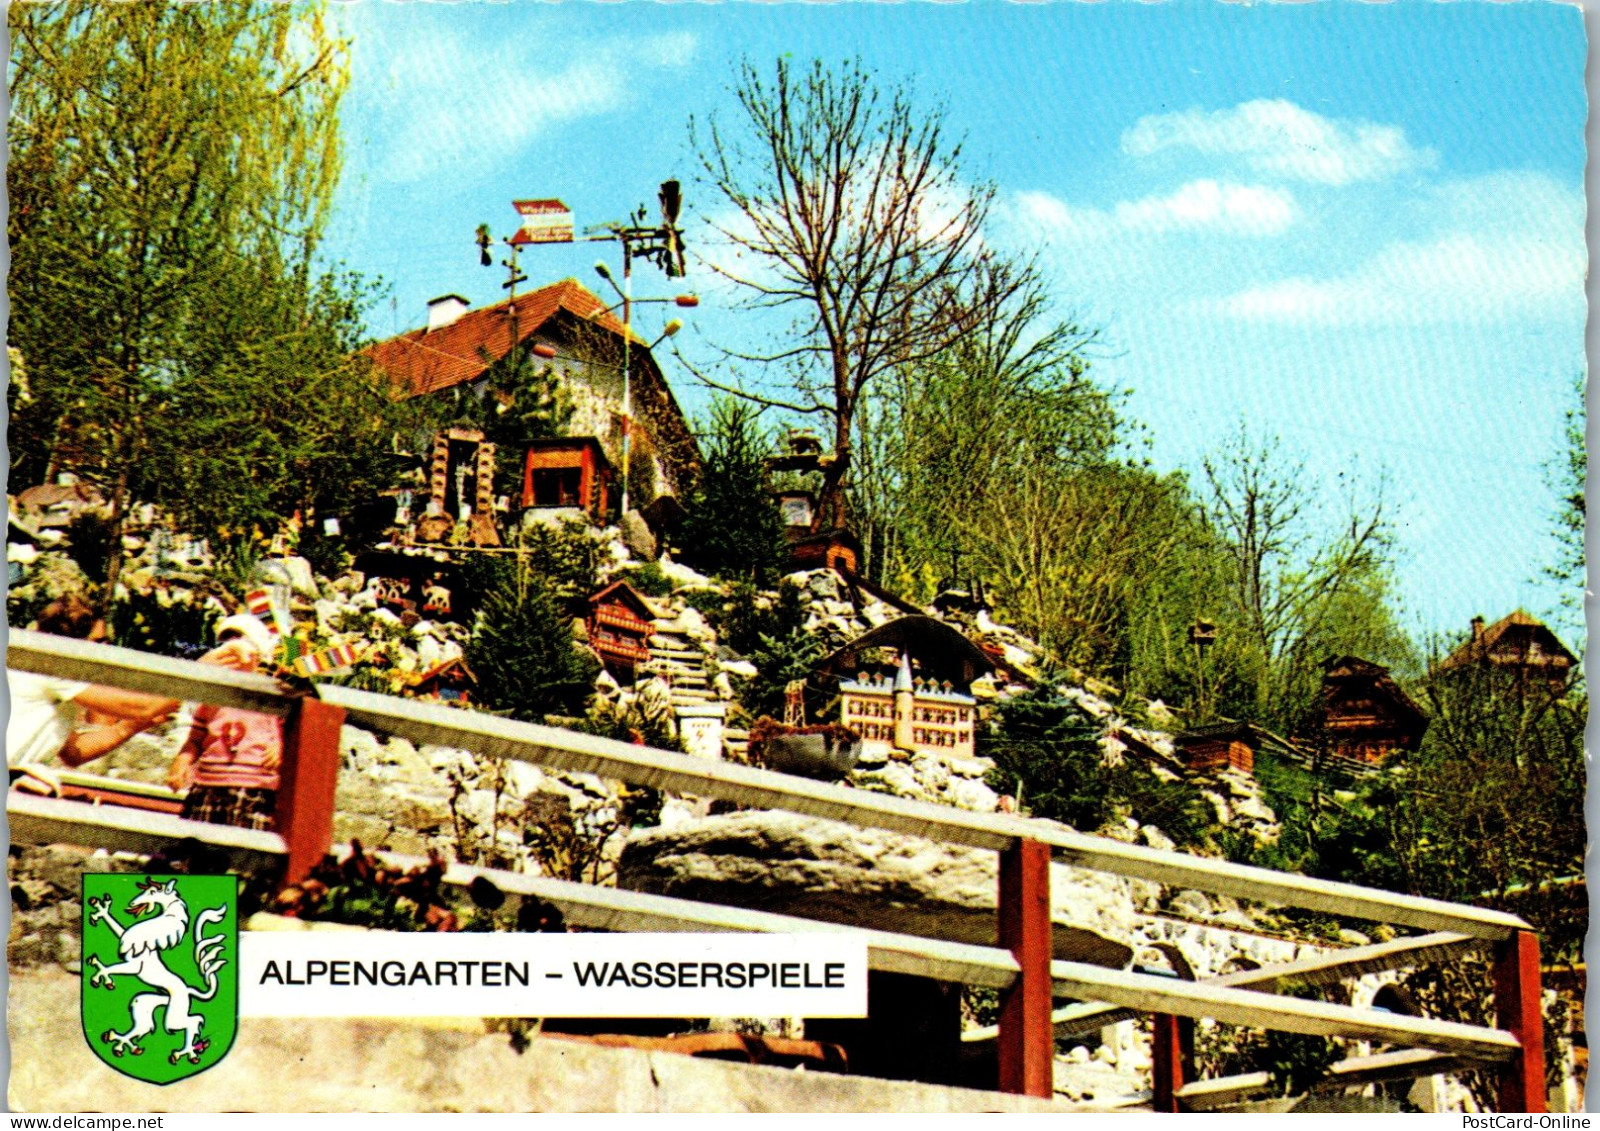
x=565 y=556
x=172 y=169
x=1295 y=1061
x=650 y=580
x=280 y=415
x=733 y=529
x=745 y=617
x=522 y=400
x=779 y=660
x=1569 y=476
x=1049 y=749
x=1047 y=746
x=155 y=622
x=523 y=652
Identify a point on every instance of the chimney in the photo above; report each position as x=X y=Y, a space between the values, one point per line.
x=444 y=310
x=1477 y=628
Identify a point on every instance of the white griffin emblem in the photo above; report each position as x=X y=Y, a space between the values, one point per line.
x=139 y=952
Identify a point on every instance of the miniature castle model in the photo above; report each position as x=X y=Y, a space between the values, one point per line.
x=914 y=716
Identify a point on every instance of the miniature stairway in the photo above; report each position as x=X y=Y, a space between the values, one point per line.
x=682 y=665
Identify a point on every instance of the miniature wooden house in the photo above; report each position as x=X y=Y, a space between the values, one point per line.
x=449 y=682
x=1518 y=646
x=1220 y=746
x=1365 y=716
x=568 y=472
x=620 y=625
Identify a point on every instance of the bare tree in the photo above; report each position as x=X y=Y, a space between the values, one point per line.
x=1289 y=580
x=848 y=209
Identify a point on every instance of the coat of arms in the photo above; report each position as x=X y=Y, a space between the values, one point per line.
x=160 y=997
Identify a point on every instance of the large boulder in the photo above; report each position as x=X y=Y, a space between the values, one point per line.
x=835 y=872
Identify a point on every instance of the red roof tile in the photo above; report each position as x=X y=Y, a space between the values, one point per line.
x=425 y=361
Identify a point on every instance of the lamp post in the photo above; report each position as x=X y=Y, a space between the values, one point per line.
x=625 y=291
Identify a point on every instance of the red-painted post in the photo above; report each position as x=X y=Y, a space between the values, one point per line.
x=1519 y=1009
x=307 y=781
x=1027 y=1038
x=1166 y=1060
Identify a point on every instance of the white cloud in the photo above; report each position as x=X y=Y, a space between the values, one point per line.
x=1278 y=138
x=1199 y=206
x=453 y=103
x=1508 y=246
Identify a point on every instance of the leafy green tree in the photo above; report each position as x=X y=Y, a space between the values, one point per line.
x=733 y=529
x=1569 y=475
x=523 y=652
x=155 y=150
x=1048 y=751
x=1295 y=593
x=276 y=412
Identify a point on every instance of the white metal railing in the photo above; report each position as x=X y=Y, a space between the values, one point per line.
x=1025 y=963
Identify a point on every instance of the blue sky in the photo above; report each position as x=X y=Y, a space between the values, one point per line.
x=1357 y=227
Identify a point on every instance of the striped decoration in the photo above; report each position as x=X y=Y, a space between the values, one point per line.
x=329 y=659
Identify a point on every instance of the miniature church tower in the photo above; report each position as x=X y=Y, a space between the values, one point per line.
x=904 y=706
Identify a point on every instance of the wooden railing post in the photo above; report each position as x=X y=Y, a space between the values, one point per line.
x=1027 y=1038
x=1166 y=1060
x=307 y=781
x=1519 y=1009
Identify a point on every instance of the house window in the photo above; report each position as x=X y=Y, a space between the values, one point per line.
x=557 y=486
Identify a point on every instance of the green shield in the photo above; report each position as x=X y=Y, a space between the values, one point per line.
x=160 y=996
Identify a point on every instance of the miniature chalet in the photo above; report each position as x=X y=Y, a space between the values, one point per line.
x=459 y=348
x=620 y=624
x=1365 y=717
x=1517 y=645
x=918 y=703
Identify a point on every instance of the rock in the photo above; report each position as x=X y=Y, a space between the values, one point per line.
x=1155 y=838
x=973 y=794
x=636 y=536
x=360 y=749
x=1353 y=938
x=821 y=584
x=62 y=866
x=896 y=778
x=1192 y=904
x=1253 y=809
x=294 y=572
x=682 y=577
x=838 y=873
x=931 y=772
x=872 y=756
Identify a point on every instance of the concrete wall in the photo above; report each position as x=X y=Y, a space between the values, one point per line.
x=354 y=1065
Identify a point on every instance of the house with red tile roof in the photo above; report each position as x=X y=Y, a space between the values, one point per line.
x=459 y=347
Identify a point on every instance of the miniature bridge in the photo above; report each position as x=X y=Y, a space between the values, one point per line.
x=1020 y=968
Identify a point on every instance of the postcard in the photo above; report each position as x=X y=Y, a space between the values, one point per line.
x=983 y=557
